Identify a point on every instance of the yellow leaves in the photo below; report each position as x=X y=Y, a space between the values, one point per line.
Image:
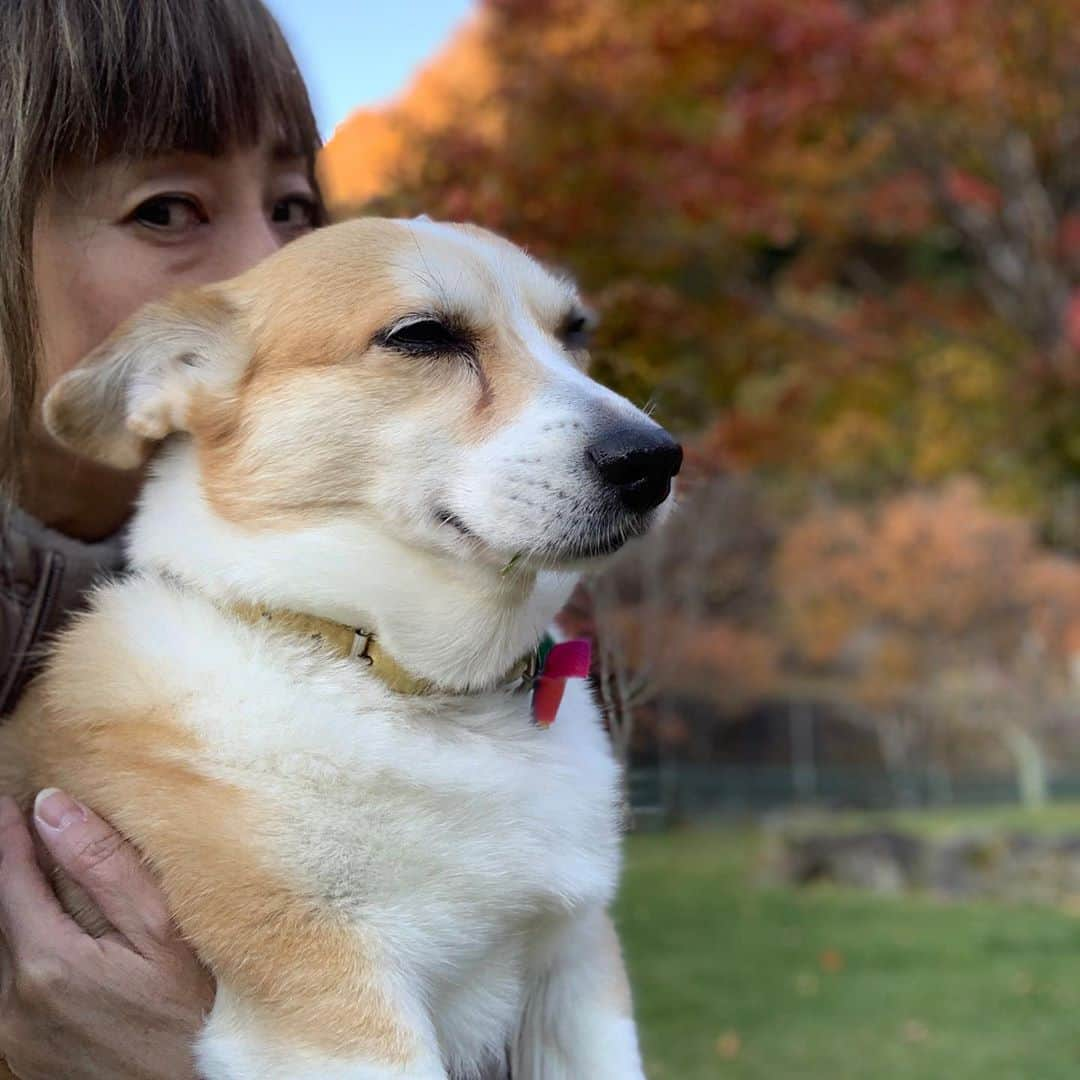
x=926 y=414
x=915 y=1031
x=963 y=371
x=960 y=406
x=832 y=961
x=729 y=1046
x=856 y=439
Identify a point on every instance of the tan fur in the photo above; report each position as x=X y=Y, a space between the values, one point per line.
x=91 y=416
x=276 y=943
x=299 y=327
x=279 y=947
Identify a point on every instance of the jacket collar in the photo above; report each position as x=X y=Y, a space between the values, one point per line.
x=44 y=576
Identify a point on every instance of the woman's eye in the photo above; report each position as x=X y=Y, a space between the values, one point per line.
x=169 y=213
x=295 y=212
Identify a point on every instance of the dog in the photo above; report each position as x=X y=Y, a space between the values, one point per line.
x=378 y=468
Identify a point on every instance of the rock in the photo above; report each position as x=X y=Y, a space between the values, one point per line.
x=1013 y=866
x=882 y=861
x=962 y=866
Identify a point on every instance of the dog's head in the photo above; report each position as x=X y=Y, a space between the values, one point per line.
x=426 y=377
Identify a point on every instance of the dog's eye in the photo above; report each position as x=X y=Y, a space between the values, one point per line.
x=576 y=330
x=426 y=336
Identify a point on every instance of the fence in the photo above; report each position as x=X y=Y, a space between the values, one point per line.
x=685 y=792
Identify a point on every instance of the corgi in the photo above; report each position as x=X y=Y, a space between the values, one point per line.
x=378 y=469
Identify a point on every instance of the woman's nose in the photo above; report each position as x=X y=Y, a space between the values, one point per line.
x=247 y=240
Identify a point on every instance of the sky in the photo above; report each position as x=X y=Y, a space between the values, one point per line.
x=361 y=52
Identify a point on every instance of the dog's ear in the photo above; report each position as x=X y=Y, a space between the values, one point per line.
x=135 y=388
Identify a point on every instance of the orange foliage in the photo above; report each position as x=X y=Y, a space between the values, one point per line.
x=840 y=239
x=712 y=658
x=784 y=211
x=929 y=583
x=362 y=158
x=1051 y=587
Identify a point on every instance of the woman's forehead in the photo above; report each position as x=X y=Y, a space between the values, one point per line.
x=83 y=180
x=267 y=153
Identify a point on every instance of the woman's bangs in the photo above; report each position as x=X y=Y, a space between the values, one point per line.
x=187 y=75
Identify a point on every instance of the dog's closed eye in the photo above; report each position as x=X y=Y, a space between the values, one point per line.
x=428 y=335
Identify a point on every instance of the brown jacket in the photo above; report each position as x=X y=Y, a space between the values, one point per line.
x=43 y=577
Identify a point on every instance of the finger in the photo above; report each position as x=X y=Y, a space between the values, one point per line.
x=5 y=980
x=30 y=915
x=98 y=859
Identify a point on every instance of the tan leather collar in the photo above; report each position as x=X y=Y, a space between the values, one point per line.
x=350 y=642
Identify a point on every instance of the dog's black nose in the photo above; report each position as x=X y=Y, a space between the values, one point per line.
x=638 y=462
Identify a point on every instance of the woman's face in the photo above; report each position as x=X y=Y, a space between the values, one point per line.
x=112 y=236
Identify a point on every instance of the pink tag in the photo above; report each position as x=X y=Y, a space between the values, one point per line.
x=567 y=660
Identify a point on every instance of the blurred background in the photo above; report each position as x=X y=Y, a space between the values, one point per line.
x=835 y=246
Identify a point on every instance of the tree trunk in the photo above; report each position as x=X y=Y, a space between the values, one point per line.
x=803 y=766
x=1031 y=779
x=894 y=738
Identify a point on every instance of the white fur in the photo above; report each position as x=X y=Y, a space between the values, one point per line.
x=469 y=841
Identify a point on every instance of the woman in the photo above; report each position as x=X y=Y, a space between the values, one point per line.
x=143 y=147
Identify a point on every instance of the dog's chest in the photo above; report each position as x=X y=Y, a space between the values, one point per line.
x=480 y=811
x=461 y=842
x=445 y=825
x=430 y=809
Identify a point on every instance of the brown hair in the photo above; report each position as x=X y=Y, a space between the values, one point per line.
x=81 y=80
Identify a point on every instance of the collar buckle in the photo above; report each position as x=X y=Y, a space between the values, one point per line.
x=361 y=643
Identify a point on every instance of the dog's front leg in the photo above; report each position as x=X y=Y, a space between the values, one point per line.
x=578 y=1017
x=304 y=990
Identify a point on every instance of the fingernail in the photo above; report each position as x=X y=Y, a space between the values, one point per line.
x=57 y=810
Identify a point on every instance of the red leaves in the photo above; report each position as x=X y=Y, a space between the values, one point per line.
x=1072 y=319
x=968 y=190
x=768 y=200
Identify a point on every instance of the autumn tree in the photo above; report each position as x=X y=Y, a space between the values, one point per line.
x=934 y=607
x=836 y=243
x=846 y=233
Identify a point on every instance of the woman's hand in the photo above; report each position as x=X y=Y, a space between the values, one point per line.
x=128 y=1004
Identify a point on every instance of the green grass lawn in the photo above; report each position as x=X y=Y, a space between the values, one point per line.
x=733 y=981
